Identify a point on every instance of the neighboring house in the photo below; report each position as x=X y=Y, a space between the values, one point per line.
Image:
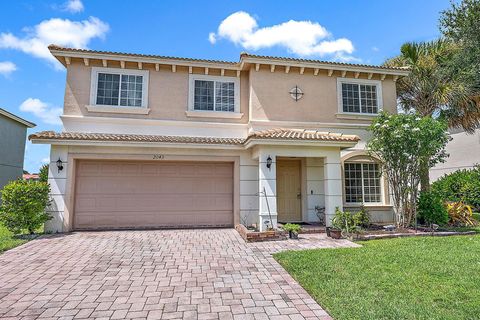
x=153 y=141
x=13 y=134
x=31 y=176
x=464 y=153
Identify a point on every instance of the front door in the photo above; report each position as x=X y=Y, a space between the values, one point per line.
x=289 y=198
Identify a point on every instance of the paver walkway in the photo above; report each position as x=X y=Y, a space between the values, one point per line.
x=164 y=274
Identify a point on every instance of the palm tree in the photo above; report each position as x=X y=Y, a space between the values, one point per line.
x=432 y=89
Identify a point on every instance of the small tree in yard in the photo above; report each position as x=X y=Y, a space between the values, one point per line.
x=407 y=143
x=23 y=205
x=43 y=174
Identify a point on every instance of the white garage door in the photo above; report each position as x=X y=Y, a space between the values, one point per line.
x=124 y=194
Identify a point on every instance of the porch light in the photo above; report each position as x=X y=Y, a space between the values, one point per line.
x=59 y=165
x=269 y=162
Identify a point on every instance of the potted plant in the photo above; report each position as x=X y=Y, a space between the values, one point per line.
x=343 y=224
x=292 y=229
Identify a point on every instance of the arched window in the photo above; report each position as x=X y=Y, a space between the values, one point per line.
x=362 y=180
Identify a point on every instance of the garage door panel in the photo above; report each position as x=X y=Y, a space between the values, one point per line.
x=155 y=203
x=114 y=194
x=111 y=219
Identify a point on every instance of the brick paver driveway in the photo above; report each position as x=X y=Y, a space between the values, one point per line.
x=165 y=274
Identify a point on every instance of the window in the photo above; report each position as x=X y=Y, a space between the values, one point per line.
x=363 y=183
x=122 y=88
x=359 y=97
x=210 y=93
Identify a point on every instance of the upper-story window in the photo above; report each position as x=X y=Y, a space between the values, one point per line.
x=119 y=87
x=213 y=93
x=359 y=96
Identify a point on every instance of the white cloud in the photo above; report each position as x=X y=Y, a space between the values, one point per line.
x=212 y=38
x=47 y=113
x=64 y=32
x=303 y=38
x=46 y=160
x=375 y=49
x=7 y=67
x=74 y=6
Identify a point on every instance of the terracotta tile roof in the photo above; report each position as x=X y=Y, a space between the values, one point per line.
x=59 y=48
x=243 y=55
x=277 y=134
x=112 y=137
x=287 y=59
x=302 y=134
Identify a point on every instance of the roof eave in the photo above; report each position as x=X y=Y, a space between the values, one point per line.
x=324 y=66
x=17 y=118
x=104 y=143
x=60 y=55
x=298 y=142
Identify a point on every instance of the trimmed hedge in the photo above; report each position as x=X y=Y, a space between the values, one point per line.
x=462 y=185
x=431 y=209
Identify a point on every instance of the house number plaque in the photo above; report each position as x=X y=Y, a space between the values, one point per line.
x=158 y=157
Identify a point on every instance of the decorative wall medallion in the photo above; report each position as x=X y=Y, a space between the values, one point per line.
x=296 y=93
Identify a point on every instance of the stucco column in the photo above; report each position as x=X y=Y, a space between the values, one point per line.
x=57 y=180
x=267 y=191
x=333 y=186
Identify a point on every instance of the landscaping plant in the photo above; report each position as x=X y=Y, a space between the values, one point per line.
x=434 y=89
x=292 y=228
x=431 y=209
x=406 y=143
x=344 y=221
x=362 y=217
x=23 y=205
x=43 y=174
x=460 y=214
x=462 y=185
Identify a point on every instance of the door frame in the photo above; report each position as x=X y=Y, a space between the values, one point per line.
x=301 y=173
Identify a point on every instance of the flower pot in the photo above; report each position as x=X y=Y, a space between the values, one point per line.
x=292 y=235
x=336 y=233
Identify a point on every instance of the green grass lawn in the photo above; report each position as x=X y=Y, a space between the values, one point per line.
x=8 y=240
x=403 y=278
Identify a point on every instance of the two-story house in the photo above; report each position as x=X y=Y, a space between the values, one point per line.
x=153 y=141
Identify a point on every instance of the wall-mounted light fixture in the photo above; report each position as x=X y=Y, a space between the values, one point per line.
x=59 y=164
x=269 y=162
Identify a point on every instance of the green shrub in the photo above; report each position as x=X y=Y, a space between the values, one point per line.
x=462 y=185
x=43 y=174
x=23 y=205
x=295 y=228
x=362 y=217
x=344 y=221
x=431 y=209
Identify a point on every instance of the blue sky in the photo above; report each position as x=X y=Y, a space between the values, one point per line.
x=32 y=85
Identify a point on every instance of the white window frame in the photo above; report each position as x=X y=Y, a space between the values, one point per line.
x=94 y=85
x=191 y=93
x=382 y=186
x=378 y=85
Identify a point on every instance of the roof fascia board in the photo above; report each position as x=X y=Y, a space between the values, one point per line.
x=325 y=66
x=101 y=143
x=120 y=57
x=303 y=143
x=16 y=118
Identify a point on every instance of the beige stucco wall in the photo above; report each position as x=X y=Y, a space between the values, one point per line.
x=463 y=151
x=167 y=94
x=266 y=92
x=270 y=98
